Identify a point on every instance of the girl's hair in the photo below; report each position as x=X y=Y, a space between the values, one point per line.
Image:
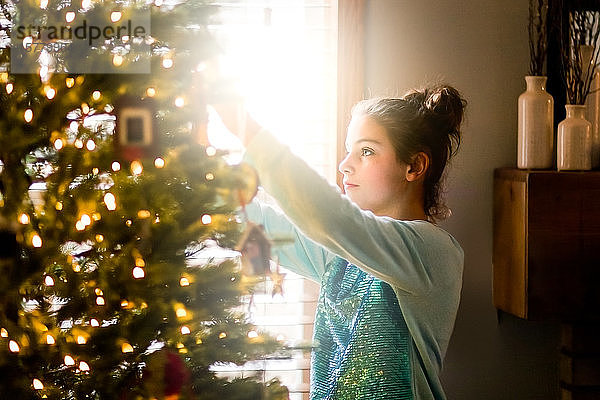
x=426 y=120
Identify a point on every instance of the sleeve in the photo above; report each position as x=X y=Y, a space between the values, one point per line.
x=387 y=248
x=301 y=256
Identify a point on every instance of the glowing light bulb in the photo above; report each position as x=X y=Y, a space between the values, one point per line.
x=83 y=366
x=86 y=219
x=36 y=240
x=3 y=333
x=185 y=330
x=70 y=16
x=128 y=222
x=138 y=273
x=179 y=102
x=222 y=335
x=100 y=301
x=159 y=162
x=27 y=41
x=184 y=281
x=79 y=225
x=24 y=219
x=252 y=334
x=59 y=144
x=9 y=88
x=206 y=219
x=28 y=115
x=151 y=92
x=86 y=4
x=110 y=201
x=69 y=82
x=115 y=16
x=90 y=145
x=76 y=267
x=96 y=95
x=85 y=108
x=99 y=238
x=13 y=346
x=211 y=151
x=167 y=63
x=115 y=166
x=98 y=292
x=43 y=4
x=94 y=322
x=69 y=360
x=74 y=126
x=43 y=72
x=50 y=339
x=48 y=281
x=126 y=348
x=136 y=167
x=58 y=206
x=81 y=339
x=117 y=60
x=124 y=303
x=50 y=93
x=209 y=176
x=79 y=143
x=143 y=214
x=181 y=312
x=37 y=384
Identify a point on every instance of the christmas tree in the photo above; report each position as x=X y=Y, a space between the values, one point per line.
x=106 y=193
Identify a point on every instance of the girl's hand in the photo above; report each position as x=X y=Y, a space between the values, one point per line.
x=237 y=120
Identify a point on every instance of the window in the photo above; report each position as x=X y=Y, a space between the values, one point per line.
x=283 y=57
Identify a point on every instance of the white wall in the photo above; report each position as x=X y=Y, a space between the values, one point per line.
x=481 y=47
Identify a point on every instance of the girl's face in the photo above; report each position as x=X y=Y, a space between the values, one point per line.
x=373 y=178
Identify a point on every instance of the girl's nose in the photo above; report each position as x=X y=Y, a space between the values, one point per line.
x=345 y=166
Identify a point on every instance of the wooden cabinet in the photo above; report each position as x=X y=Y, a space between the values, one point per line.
x=546 y=249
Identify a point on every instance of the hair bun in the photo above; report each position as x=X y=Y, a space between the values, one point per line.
x=447 y=104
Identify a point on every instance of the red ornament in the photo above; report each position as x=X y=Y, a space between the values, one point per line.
x=177 y=374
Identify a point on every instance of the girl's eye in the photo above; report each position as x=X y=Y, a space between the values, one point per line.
x=366 y=152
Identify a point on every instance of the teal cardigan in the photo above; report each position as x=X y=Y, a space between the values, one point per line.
x=390 y=288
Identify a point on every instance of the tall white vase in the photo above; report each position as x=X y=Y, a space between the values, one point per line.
x=536 y=121
x=574 y=148
x=593 y=115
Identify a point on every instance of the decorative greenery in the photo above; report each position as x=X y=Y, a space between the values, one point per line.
x=538 y=36
x=580 y=51
x=103 y=294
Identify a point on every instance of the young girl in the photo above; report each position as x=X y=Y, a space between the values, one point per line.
x=390 y=277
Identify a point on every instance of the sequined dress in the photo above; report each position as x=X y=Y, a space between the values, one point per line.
x=361 y=337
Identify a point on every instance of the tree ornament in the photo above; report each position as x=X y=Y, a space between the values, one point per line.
x=135 y=134
x=166 y=374
x=256 y=251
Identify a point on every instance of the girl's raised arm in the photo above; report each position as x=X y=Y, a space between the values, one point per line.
x=389 y=249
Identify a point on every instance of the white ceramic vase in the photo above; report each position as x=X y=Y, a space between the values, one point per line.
x=593 y=115
x=574 y=147
x=536 y=121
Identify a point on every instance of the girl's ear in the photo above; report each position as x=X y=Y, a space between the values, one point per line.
x=418 y=167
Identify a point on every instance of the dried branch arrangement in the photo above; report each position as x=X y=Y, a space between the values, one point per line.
x=538 y=36
x=581 y=54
